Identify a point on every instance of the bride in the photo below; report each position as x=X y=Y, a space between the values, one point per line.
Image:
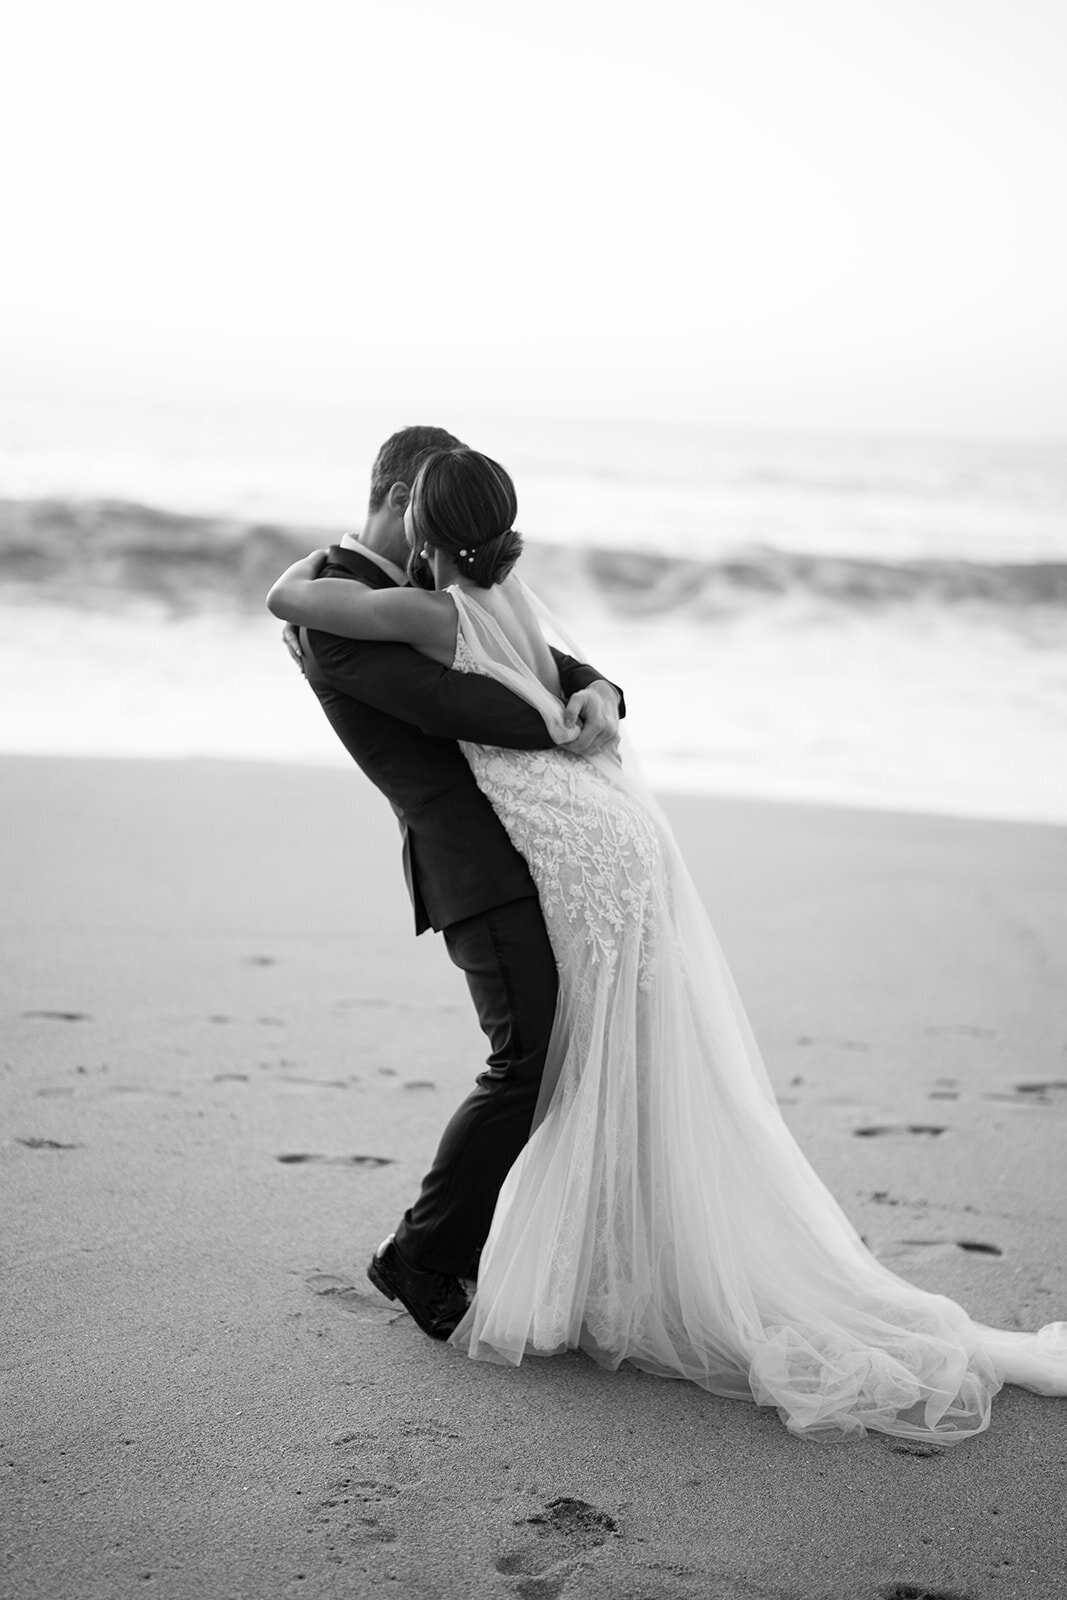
x=662 y=1212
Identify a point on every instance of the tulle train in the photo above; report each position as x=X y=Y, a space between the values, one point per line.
x=662 y=1213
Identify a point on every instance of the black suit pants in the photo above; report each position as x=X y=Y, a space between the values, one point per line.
x=511 y=974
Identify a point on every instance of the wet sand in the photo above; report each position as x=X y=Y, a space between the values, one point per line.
x=226 y=1060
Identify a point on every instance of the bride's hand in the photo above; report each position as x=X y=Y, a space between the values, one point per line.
x=300 y=573
x=563 y=734
x=291 y=641
x=592 y=716
x=311 y=565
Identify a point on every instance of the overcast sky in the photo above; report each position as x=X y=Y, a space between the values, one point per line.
x=762 y=212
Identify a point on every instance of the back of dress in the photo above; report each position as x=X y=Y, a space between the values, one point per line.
x=661 y=1212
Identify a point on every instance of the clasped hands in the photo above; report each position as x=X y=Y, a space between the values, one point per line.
x=594 y=711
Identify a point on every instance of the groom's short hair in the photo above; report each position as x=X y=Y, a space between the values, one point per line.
x=401 y=456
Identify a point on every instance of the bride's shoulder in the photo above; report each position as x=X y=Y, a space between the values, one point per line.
x=506 y=602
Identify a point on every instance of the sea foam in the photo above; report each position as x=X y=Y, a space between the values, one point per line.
x=873 y=622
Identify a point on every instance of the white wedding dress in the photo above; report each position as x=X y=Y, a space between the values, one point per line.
x=662 y=1213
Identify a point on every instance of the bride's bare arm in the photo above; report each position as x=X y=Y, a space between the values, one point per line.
x=351 y=610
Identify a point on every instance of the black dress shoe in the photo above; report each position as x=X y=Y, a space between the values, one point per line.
x=435 y=1300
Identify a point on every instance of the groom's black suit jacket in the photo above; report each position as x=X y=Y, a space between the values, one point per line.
x=399 y=714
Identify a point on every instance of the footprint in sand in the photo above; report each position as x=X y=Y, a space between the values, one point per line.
x=60 y=1016
x=926 y=1130
x=260 y=961
x=566 y=1529
x=361 y=1502
x=34 y=1142
x=978 y=1247
x=426 y=1428
x=300 y=1157
x=882 y=1197
x=1032 y=1094
x=365 y=1491
x=919 y=1448
x=419 y=1083
x=364 y=1307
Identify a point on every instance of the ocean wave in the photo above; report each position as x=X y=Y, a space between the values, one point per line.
x=646 y=583
x=100 y=552
x=935 y=685
x=86 y=552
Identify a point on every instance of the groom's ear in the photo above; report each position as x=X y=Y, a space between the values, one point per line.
x=397 y=499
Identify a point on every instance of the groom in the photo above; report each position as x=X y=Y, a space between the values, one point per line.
x=399 y=715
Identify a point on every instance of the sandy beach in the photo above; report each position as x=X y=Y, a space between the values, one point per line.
x=226 y=1060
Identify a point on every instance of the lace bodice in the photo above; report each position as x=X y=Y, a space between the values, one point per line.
x=593 y=851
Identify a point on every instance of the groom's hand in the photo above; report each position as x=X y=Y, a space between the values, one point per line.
x=291 y=641
x=595 y=712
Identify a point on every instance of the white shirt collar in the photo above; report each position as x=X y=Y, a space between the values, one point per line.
x=351 y=541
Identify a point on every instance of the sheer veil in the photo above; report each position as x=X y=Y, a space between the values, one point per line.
x=662 y=1212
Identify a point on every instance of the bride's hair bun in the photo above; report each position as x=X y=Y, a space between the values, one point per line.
x=464 y=504
x=491 y=562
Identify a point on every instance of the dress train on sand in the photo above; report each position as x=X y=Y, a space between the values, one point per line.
x=662 y=1213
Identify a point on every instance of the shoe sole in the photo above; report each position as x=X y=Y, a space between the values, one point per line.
x=391 y=1291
